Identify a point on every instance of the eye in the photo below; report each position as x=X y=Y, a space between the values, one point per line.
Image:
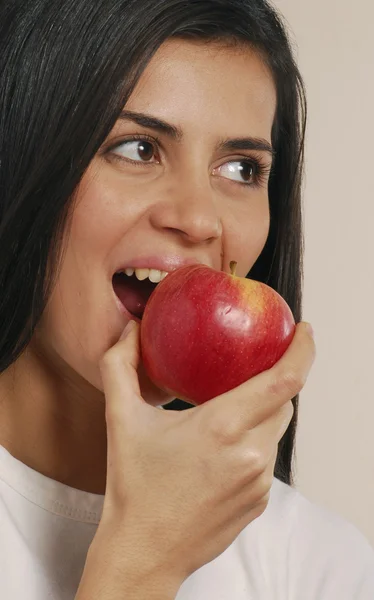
x=243 y=171
x=136 y=150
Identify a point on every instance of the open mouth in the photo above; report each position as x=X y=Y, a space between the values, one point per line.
x=133 y=293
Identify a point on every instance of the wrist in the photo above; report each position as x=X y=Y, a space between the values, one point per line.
x=113 y=572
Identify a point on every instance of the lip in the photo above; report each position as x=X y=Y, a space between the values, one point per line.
x=167 y=263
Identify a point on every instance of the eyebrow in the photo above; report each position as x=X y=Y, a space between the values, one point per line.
x=152 y=123
x=231 y=145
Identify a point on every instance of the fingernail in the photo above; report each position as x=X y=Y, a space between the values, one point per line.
x=126 y=331
x=310 y=330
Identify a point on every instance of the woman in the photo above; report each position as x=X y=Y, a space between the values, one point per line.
x=144 y=136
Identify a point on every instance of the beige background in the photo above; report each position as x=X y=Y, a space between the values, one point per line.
x=335 y=446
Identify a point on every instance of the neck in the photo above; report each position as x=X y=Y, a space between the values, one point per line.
x=54 y=422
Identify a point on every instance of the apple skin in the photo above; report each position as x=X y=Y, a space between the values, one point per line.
x=204 y=332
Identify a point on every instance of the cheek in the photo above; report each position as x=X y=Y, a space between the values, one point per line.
x=96 y=223
x=79 y=324
x=246 y=233
x=81 y=320
x=73 y=337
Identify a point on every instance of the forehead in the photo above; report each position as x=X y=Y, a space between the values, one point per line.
x=208 y=86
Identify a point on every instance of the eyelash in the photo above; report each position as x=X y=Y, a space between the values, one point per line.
x=155 y=141
x=261 y=170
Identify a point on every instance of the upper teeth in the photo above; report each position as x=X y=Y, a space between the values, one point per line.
x=153 y=275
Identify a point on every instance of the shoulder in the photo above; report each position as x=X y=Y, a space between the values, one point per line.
x=313 y=549
x=310 y=523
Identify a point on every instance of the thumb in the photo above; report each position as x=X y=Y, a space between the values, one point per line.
x=129 y=327
x=118 y=368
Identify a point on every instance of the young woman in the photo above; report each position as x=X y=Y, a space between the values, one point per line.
x=145 y=136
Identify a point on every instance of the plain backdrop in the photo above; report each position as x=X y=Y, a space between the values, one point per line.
x=335 y=444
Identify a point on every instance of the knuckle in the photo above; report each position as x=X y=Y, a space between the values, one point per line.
x=257 y=511
x=287 y=412
x=266 y=484
x=260 y=506
x=107 y=359
x=255 y=461
x=290 y=410
x=287 y=383
x=283 y=419
x=224 y=433
x=113 y=361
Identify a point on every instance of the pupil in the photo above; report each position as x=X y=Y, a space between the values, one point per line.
x=145 y=150
x=247 y=171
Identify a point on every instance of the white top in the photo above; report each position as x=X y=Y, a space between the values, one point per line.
x=294 y=551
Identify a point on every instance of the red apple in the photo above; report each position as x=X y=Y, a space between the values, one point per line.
x=205 y=332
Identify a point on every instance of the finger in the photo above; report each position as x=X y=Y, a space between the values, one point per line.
x=275 y=426
x=256 y=400
x=118 y=369
x=259 y=446
x=283 y=419
x=253 y=498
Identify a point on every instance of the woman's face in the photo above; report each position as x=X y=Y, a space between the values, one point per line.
x=182 y=177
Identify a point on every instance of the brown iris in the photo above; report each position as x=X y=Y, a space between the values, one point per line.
x=145 y=150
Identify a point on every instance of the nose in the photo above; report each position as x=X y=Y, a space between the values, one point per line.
x=191 y=211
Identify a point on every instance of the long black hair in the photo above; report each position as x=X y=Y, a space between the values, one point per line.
x=67 y=68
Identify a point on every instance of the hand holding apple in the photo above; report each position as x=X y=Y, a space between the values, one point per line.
x=204 y=332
